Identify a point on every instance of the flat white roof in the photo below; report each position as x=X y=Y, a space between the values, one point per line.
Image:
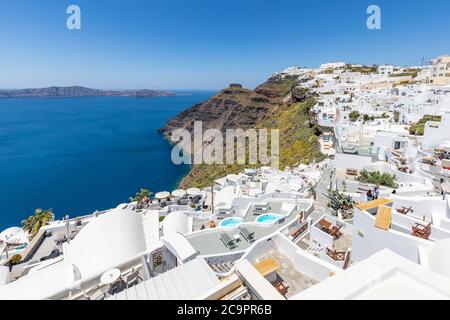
x=186 y=282
x=383 y=276
x=40 y=285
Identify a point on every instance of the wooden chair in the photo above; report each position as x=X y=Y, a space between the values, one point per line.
x=325 y=225
x=404 y=210
x=281 y=288
x=336 y=231
x=421 y=231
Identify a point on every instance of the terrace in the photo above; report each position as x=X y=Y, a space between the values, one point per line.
x=332 y=237
x=402 y=225
x=283 y=275
x=45 y=248
x=288 y=270
x=272 y=207
x=211 y=242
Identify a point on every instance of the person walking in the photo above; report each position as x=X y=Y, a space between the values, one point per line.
x=369 y=195
x=376 y=193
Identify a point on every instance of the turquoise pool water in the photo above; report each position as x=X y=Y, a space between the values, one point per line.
x=231 y=223
x=269 y=218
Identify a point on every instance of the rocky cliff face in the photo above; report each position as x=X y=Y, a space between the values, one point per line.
x=276 y=104
x=233 y=108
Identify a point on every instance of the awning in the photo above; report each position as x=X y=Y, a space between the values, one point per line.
x=162 y=195
x=179 y=193
x=384 y=218
x=194 y=192
x=374 y=204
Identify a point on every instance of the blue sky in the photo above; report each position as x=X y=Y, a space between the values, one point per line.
x=206 y=44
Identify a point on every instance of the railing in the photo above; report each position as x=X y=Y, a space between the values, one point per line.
x=336 y=256
x=420 y=231
x=300 y=231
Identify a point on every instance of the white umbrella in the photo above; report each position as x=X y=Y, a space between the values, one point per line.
x=194 y=192
x=179 y=193
x=9 y=233
x=162 y=195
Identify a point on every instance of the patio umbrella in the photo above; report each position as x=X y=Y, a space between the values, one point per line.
x=179 y=193
x=162 y=195
x=194 y=192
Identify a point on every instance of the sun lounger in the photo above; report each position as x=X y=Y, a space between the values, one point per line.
x=404 y=210
x=249 y=236
x=260 y=209
x=229 y=242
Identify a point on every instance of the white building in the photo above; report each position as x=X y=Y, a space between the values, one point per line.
x=440 y=71
x=332 y=65
x=385 y=70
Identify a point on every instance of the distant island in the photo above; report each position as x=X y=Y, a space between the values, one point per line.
x=279 y=103
x=78 y=91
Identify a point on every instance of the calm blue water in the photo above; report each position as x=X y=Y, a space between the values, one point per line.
x=82 y=154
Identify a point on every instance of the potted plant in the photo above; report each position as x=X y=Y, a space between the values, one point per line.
x=15 y=260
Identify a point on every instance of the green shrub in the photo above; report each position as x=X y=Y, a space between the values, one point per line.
x=378 y=178
x=418 y=129
x=15 y=260
x=339 y=201
x=354 y=116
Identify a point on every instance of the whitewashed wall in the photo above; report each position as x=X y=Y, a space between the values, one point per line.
x=368 y=240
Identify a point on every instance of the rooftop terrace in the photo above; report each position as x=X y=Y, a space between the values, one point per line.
x=293 y=280
x=208 y=242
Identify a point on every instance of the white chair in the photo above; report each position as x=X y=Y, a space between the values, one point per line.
x=97 y=292
x=132 y=278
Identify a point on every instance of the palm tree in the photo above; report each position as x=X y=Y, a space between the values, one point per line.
x=28 y=224
x=141 y=195
x=40 y=218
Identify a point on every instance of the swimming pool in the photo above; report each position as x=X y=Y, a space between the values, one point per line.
x=269 y=219
x=231 y=223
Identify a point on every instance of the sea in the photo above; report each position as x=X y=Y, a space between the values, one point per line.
x=79 y=155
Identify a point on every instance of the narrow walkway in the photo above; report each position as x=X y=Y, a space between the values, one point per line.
x=321 y=202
